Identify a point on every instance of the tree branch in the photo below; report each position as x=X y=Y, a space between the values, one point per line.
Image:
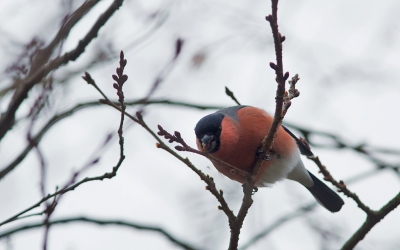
x=279 y=222
x=340 y=185
x=120 y=79
x=207 y=179
x=102 y=222
x=373 y=217
x=139 y=119
x=7 y=119
x=229 y=93
x=361 y=148
x=282 y=101
x=107 y=175
x=35 y=139
x=371 y=221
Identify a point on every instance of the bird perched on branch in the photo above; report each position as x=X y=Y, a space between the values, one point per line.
x=234 y=135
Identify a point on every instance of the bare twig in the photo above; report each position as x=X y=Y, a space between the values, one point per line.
x=55 y=119
x=371 y=221
x=167 y=69
x=340 y=185
x=50 y=207
x=208 y=180
x=71 y=185
x=102 y=222
x=160 y=144
x=288 y=217
x=121 y=78
x=164 y=73
x=185 y=147
x=373 y=217
x=229 y=93
x=293 y=92
x=139 y=119
x=41 y=58
x=281 y=107
x=7 y=119
x=361 y=148
x=35 y=110
x=107 y=175
x=279 y=222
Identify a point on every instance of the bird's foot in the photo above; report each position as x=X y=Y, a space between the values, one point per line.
x=246 y=189
x=260 y=155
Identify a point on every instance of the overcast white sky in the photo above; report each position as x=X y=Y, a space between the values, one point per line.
x=346 y=53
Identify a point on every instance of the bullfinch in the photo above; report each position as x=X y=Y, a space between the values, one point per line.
x=234 y=135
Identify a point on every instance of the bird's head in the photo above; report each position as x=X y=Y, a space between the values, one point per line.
x=208 y=131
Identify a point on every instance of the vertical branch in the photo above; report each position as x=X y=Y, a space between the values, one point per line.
x=282 y=104
x=120 y=79
x=280 y=79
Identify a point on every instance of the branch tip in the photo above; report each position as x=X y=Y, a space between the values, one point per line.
x=273 y=66
x=286 y=76
x=178 y=47
x=140 y=117
x=178 y=135
x=229 y=93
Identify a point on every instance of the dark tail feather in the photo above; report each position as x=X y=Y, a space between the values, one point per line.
x=325 y=196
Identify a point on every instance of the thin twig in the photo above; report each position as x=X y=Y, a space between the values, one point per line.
x=55 y=119
x=361 y=148
x=229 y=93
x=289 y=217
x=185 y=147
x=7 y=119
x=166 y=70
x=139 y=119
x=160 y=144
x=373 y=217
x=107 y=175
x=71 y=185
x=102 y=222
x=371 y=221
x=279 y=222
x=340 y=185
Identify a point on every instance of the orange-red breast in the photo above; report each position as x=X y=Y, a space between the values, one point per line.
x=234 y=135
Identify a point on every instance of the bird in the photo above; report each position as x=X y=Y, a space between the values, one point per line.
x=234 y=135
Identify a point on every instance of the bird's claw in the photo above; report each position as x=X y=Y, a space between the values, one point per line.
x=260 y=155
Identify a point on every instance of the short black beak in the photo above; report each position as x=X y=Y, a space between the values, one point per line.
x=206 y=141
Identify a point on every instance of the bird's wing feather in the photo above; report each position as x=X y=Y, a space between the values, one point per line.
x=304 y=150
x=325 y=196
